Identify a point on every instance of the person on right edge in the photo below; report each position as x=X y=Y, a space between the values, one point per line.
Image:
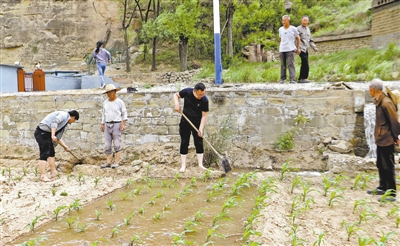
x=306 y=42
x=195 y=109
x=289 y=45
x=387 y=131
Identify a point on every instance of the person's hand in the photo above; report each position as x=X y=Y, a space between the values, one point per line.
x=54 y=138
x=178 y=108
x=298 y=51
x=122 y=126
x=102 y=127
x=200 y=134
x=66 y=148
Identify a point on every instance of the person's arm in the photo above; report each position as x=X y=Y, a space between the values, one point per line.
x=298 y=44
x=63 y=143
x=124 y=116
x=102 y=120
x=312 y=44
x=202 y=123
x=53 y=134
x=176 y=101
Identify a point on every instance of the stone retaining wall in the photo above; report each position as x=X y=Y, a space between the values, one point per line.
x=257 y=114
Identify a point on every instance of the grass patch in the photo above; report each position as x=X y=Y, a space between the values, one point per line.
x=349 y=65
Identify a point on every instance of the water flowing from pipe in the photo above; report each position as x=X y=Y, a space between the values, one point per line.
x=369 y=124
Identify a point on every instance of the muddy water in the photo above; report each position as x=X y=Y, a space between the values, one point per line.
x=166 y=210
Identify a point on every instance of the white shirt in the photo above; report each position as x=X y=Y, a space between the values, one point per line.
x=288 y=39
x=113 y=111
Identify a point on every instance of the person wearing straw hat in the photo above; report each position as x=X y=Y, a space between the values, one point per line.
x=113 y=122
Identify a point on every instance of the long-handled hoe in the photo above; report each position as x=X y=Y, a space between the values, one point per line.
x=224 y=162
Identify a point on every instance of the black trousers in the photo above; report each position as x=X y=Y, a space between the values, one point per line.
x=185 y=129
x=385 y=164
x=305 y=68
x=45 y=143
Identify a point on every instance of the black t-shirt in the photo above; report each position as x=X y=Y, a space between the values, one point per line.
x=193 y=107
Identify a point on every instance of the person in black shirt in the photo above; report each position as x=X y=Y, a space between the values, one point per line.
x=196 y=109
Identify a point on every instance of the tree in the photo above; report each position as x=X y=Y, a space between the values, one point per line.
x=128 y=9
x=180 y=26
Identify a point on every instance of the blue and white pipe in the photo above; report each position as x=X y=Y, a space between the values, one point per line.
x=217 y=44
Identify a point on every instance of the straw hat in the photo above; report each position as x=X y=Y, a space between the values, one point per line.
x=111 y=87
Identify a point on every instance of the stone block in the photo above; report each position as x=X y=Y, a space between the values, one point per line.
x=359 y=101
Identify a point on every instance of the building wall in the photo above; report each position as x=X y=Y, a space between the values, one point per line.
x=343 y=42
x=257 y=115
x=385 y=23
x=8 y=78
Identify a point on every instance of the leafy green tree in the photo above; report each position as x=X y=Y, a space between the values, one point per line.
x=180 y=26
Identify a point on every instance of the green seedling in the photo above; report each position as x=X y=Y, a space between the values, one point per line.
x=18 y=178
x=179 y=239
x=63 y=193
x=81 y=227
x=157 y=217
x=19 y=194
x=148 y=168
x=125 y=195
x=295 y=182
x=150 y=183
x=58 y=210
x=176 y=178
x=34 y=241
x=96 y=181
x=76 y=205
x=36 y=171
x=70 y=221
x=206 y=176
x=212 y=233
x=393 y=211
x=326 y=184
x=364 y=215
x=81 y=179
x=397 y=220
x=306 y=189
x=24 y=171
x=136 y=239
x=159 y=194
x=98 y=214
x=110 y=204
x=189 y=225
x=3 y=172
x=164 y=184
x=53 y=191
x=230 y=203
x=137 y=191
x=357 y=180
x=333 y=197
x=141 y=210
x=221 y=216
x=128 y=219
x=33 y=223
x=166 y=207
x=193 y=181
x=350 y=229
x=129 y=182
x=320 y=240
x=152 y=202
x=114 y=232
x=284 y=169
x=363 y=241
x=293 y=234
x=361 y=202
x=389 y=193
x=385 y=238
x=198 y=216
x=37 y=207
